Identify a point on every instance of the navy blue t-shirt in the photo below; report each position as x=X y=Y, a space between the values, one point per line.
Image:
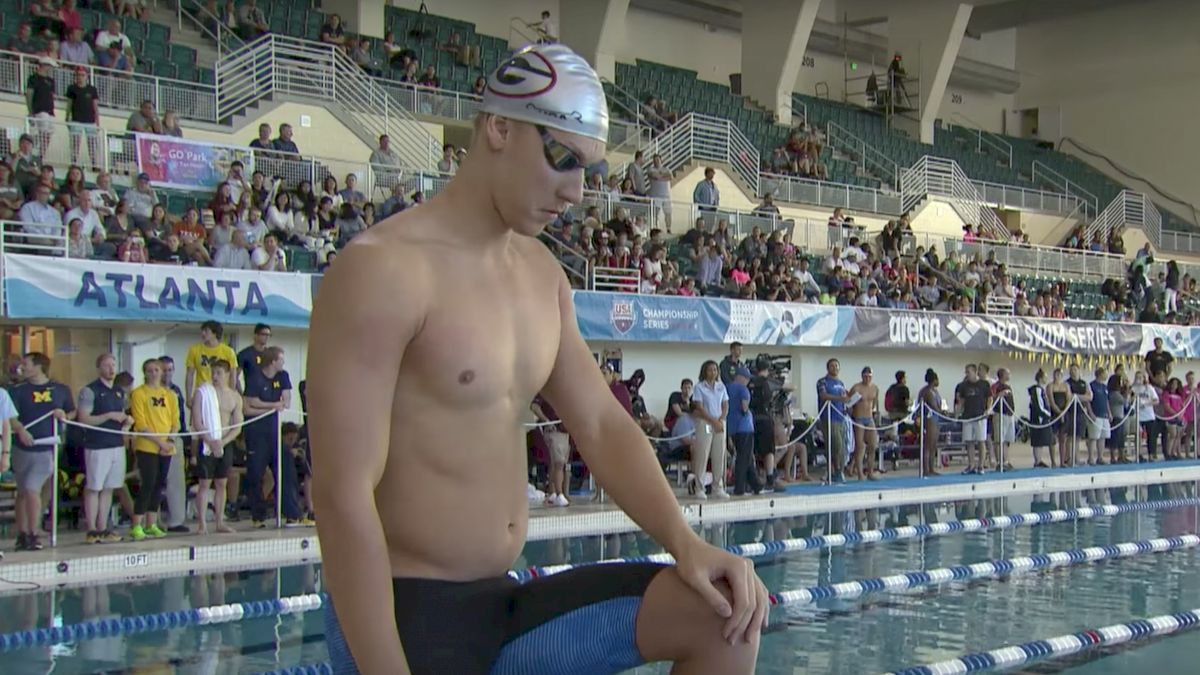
x=1099 y=399
x=739 y=422
x=249 y=359
x=831 y=386
x=34 y=400
x=267 y=390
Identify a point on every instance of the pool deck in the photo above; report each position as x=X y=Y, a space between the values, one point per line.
x=75 y=562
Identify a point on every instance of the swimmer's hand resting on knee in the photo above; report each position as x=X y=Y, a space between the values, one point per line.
x=701 y=565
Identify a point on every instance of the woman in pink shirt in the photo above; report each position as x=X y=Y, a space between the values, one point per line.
x=1188 y=391
x=1172 y=407
x=739 y=275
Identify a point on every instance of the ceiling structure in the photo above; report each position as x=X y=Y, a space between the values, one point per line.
x=988 y=15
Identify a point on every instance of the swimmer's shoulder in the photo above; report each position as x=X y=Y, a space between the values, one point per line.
x=539 y=258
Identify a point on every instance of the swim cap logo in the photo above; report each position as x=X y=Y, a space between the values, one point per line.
x=556 y=114
x=622 y=315
x=525 y=75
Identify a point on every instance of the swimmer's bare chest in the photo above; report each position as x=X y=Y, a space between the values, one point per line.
x=452 y=499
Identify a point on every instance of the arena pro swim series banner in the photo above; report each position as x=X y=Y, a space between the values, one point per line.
x=38 y=287
x=188 y=165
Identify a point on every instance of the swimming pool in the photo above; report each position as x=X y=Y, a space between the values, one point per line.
x=874 y=633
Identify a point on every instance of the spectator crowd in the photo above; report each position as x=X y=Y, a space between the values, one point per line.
x=188 y=458
x=732 y=430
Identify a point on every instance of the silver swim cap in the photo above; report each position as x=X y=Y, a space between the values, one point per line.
x=552 y=86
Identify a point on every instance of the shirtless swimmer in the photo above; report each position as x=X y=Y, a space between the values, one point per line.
x=430 y=337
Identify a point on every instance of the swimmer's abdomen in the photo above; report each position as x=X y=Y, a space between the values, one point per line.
x=452 y=500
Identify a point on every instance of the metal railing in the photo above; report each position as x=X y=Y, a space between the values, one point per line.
x=1045 y=261
x=1127 y=209
x=997 y=304
x=1173 y=240
x=1026 y=199
x=572 y=260
x=117 y=89
x=519 y=33
x=868 y=159
x=943 y=178
x=198 y=17
x=242 y=78
x=708 y=139
x=824 y=193
x=985 y=139
x=319 y=71
x=637 y=114
x=616 y=280
x=1044 y=173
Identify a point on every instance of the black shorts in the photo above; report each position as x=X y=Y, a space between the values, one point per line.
x=580 y=621
x=209 y=467
x=764 y=435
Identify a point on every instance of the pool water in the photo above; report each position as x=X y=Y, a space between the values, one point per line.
x=871 y=634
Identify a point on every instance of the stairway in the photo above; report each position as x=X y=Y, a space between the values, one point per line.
x=187 y=35
x=275 y=65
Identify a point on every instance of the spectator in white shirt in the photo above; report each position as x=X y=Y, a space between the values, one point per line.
x=807 y=281
x=269 y=257
x=253 y=226
x=83 y=210
x=141 y=200
x=238 y=185
x=279 y=214
x=850 y=265
x=384 y=155
x=834 y=260
x=546 y=29
x=871 y=297
x=710 y=406
x=853 y=249
x=37 y=217
x=448 y=164
x=235 y=254
x=112 y=33
x=104 y=197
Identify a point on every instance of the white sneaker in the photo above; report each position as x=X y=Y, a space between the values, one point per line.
x=700 y=494
x=720 y=494
x=561 y=500
x=533 y=494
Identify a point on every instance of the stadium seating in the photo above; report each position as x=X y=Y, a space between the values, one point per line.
x=682 y=89
x=684 y=92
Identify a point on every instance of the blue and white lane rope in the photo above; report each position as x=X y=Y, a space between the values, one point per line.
x=1005 y=657
x=147 y=623
x=850 y=589
x=1040 y=561
x=323 y=668
x=757 y=550
x=1063 y=645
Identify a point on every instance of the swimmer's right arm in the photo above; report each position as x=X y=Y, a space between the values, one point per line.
x=364 y=340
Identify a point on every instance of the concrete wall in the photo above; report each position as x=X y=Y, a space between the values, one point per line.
x=1126 y=82
x=316 y=131
x=146 y=341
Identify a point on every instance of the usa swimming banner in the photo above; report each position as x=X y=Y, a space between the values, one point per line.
x=651 y=318
x=38 y=287
x=188 y=165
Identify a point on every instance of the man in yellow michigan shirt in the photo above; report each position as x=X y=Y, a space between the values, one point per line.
x=155 y=410
x=203 y=354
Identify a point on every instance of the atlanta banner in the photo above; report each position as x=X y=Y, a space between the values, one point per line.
x=38 y=287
